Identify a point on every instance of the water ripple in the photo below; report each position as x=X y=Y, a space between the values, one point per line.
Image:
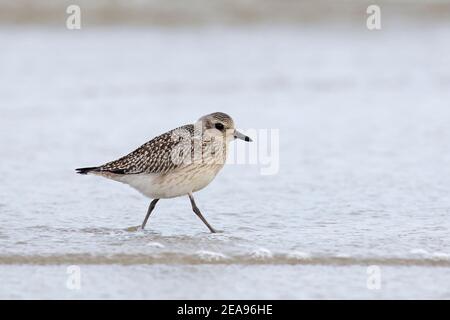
x=207 y=257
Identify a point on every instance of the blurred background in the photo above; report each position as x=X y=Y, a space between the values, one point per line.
x=221 y=12
x=364 y=148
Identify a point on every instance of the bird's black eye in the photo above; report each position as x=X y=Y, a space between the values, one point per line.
x=219 y=126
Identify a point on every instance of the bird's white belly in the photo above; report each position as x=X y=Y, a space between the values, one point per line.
x=177 y=183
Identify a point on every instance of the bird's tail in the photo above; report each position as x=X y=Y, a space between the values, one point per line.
x=86 y=170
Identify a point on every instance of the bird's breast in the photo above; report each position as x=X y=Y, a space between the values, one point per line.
x=176 y=183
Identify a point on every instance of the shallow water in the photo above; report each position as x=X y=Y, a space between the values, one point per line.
x=363 y=174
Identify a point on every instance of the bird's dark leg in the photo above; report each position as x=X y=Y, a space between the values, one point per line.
x=150 y=209
x=199 y=214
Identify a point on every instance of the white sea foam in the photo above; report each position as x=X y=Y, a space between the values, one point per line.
x=421 y=252
x=343 y=255
x=211 y=256
x=155 y=245
x=261 y=253
x=441 y=256
x=299 y=255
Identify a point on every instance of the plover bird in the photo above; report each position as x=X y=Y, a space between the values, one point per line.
x=177 y=163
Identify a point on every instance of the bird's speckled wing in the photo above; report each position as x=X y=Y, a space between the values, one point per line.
x=155 y=156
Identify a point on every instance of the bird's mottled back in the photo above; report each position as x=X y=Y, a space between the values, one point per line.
x=155 y=156
x=202 y=145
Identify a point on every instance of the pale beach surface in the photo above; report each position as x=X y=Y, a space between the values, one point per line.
x=364 y=154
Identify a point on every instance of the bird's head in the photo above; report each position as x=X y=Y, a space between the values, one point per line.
x=221 y=124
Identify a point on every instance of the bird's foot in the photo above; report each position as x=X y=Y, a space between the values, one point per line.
x=134 y=229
